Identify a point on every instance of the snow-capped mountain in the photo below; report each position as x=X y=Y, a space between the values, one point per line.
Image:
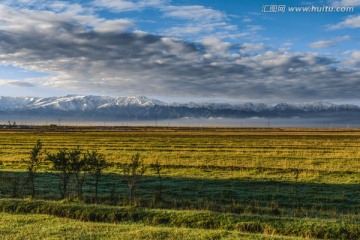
x=143 y=108
x=11 y=103
x=68 y=103
x=74 y=102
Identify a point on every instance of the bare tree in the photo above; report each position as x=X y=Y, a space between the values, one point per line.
x=133 y=173
x=157 y=168
x=33 y=163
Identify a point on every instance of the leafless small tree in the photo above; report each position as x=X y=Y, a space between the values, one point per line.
x=133 y=173
x=157 y=169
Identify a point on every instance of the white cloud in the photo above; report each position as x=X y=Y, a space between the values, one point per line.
x=216 y=46
x=254 y=28
x=349 y=22
x=16 y=83
x=118 y=25
x=343 y=3
x=43 y=21
x=196 y=31
x=194 y=22
x=118 y=5
x=198 y=22
x=322 y=44
x=53 y=6
x=329 y=43
x=356 y=55
x=247 y=20
x=353 y=59
x=126 y=5
x=193 y=12
x=247 y=48
x=343 y=38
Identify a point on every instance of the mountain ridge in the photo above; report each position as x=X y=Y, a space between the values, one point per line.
x=143 y=108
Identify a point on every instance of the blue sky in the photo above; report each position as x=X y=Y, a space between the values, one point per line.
x=220 y=50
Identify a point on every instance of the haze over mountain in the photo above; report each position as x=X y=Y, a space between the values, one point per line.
x=103 y=108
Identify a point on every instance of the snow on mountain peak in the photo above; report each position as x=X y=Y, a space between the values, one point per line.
x=8 y=103
x=121 y=105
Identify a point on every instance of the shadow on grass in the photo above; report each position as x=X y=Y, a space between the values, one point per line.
x=230 y=195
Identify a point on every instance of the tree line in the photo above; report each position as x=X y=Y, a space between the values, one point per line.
x=75 y=166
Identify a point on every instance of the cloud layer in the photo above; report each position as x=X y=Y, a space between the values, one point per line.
x=84 y=52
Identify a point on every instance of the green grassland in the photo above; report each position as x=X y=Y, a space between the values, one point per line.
x=217 y=183
x=21 y=226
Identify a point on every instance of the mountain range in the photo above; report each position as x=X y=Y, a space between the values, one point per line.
x=75 y=107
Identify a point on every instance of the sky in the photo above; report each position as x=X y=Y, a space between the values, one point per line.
x=172 y=50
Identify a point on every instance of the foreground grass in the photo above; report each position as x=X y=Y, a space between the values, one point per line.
x=21 y=226
x=255 y=224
